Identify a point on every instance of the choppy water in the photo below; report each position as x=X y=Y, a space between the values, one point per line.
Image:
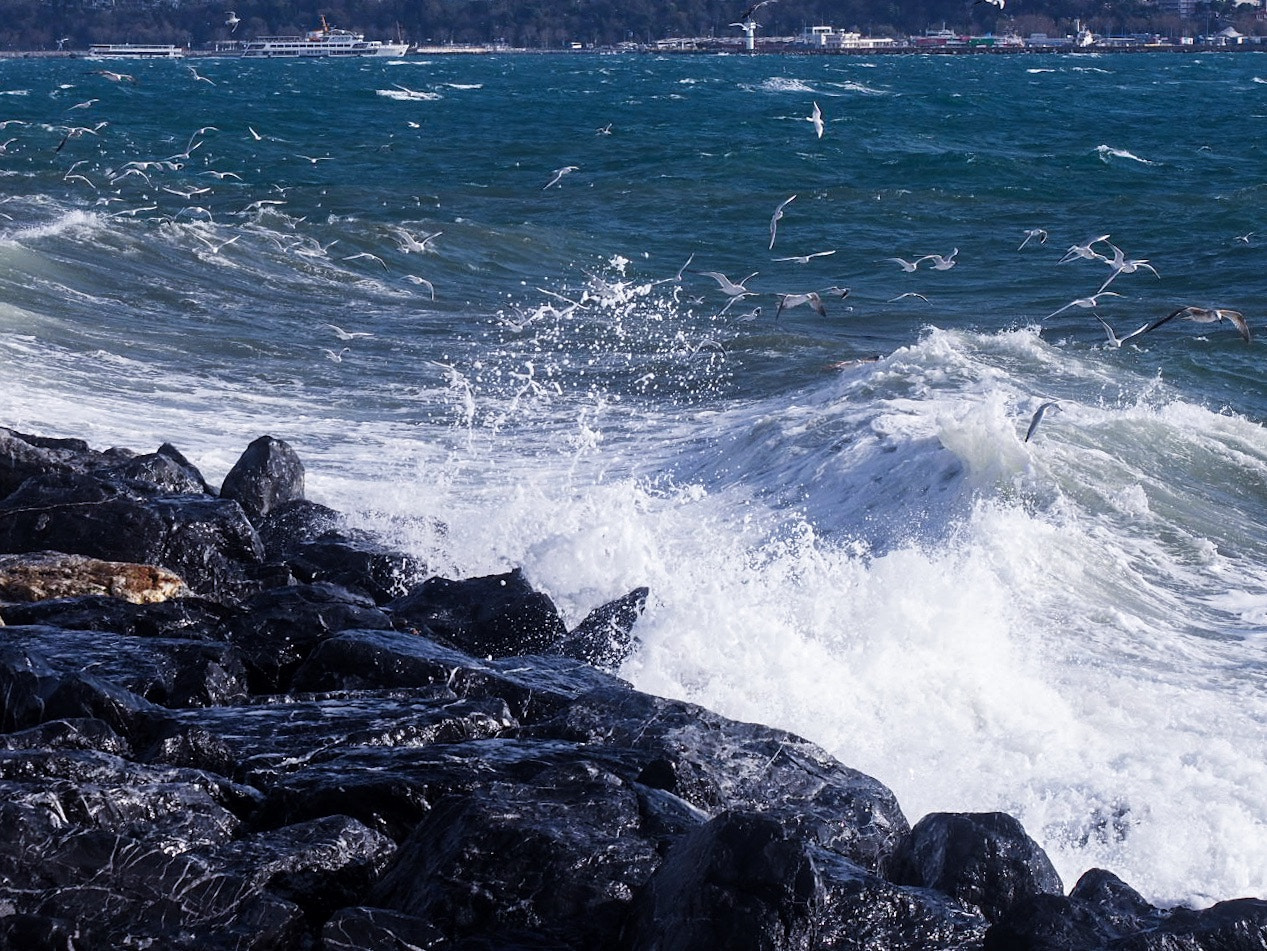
x=1072 y=629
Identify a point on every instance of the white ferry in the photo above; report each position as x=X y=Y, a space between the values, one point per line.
x=135 y=51
x=326 y=41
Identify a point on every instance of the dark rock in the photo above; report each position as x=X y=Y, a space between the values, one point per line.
x=491 y=616
x=267 y=474
x=280 y=627
x=169 y=672
x=605 y=637
x=190 y=470
x=356 y=563
x=743 y=882
x=718 y=764
x=532 y=687
x=68 y=735
x=1237 y=925
x=380 y=929
x=738 y=882
x=319 y=865
x=23 y=456
x=157 y=473
x=184 y=618
x=983 y=859
x=266 y=741
x=292 y=523
x=559 y=851
x=206 y=541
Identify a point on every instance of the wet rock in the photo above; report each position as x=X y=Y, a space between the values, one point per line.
x=605 y=637
x=166 y=671
x=266 y=475
x=187 y=618
x=207 y=542
x=533 y=688
x=280 y=627
x=718 y=764
x=742 y=881
x=23 y=456
x=560 y=851
x=44 y=575
x=491 y=616
x=983 y=859
x=379 y=929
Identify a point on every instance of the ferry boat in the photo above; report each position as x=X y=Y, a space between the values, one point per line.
x=135 y=51
x=326 y=41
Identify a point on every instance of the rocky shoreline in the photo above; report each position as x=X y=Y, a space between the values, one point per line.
x=231 y=722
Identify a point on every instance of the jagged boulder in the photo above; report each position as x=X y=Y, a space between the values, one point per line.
x=208 y=542
x=983 y=859
x=605 y=637
x=491 y=616
x=266 y=475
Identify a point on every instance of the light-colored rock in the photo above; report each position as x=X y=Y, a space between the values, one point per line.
x=41 y=575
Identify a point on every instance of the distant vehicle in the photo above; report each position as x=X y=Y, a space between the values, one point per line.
x=326 y=41
x=135 y=51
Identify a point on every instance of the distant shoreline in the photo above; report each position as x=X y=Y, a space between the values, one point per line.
x=709 y=51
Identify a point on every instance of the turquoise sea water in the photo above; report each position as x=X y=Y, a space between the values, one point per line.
x=843 y=529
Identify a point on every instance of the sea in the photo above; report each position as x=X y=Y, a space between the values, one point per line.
x=482 y=297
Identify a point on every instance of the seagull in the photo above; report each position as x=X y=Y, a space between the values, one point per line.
x=1037 y=417
x=805 y=258
x=735 y=290
x=796 y=300
x=332 y=356
x=1121 y=265
x=348 y=335
x=1038 y=233
x=604 y=130
x=115 y=77
x=199 y=77
x=216 y=248
x=778 y=212
x=1084 y=251
x=222 y=175
x=1244 y=238
x=906 y=265
x=1114 y=339
x=365 y=255
x=558 y=174
x=907 y=294
x=841 y=292
x=314 y=159
x=747 y=14
x=941 y=262
x=993 y=3
x=1208 y=315
x=1092 y=301
x=816 y=117
x=415 y=279
x=410 y=243
x=233 y=21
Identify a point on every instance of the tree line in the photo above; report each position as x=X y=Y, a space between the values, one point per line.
x=557 y=24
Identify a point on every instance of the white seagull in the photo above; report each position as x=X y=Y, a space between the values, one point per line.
x=1038 y=233
x=1121 y=265
x=233 y=21
x=558 y=174
x=1084 y=250
x=805 y=258
x=796 y=300
x=1092 y=301
x=778 y=213
x=1209 y=315
x=816 y=117
x=1038 y=416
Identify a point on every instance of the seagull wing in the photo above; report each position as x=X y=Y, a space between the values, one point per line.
x=1038 y=417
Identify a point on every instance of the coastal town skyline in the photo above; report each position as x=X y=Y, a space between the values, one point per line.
x=30 y=25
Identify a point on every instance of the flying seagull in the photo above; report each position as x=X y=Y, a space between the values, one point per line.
x=816 y=117
x=1208 y=315
x=1038 y=416
x=233 y=21
x=1092 y=301
x=1038 y=233
x=796 y=300
x=778 y=213
x=1114 y=339
x=747 y=14
x=558 y=174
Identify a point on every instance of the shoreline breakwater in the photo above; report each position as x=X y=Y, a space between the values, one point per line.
x=230 y=721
